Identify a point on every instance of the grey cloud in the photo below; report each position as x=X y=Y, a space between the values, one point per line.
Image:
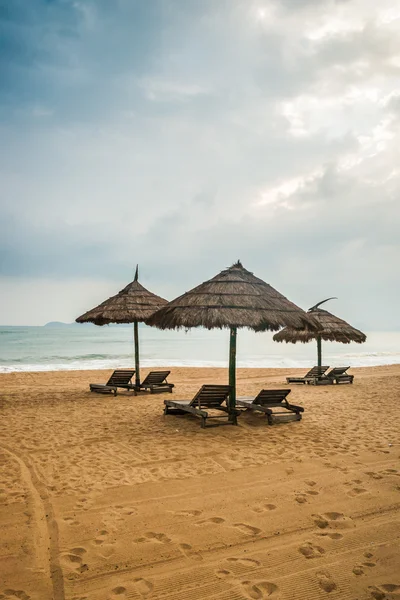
x=154 y=132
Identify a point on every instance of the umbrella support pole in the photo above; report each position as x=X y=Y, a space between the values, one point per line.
x=319 y=350
x=232 y=369
x=136 y=343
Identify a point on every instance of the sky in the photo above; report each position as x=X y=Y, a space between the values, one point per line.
x=186 y=134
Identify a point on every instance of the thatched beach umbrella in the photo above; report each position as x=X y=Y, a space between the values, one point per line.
x=332 y=329
x=134 y=304
x=233 y=298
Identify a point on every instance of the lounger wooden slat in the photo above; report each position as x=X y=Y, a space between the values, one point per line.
x=266 y=400
x=310 y=377
x=339 y=375
x=209 y=397
x=155 y=381
x=121 y=378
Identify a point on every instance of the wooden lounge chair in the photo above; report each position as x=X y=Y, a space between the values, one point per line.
x=266 y=400
x=121 y=378
x=208 y=397
x=339 y=375
x=312 y=376
x=155 y=381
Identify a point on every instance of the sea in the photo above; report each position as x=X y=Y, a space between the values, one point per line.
x=76 y=347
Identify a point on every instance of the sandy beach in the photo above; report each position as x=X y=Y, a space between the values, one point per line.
x=104 y=498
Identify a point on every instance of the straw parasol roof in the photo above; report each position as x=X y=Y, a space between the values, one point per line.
x=332 y=329
x=233 y=298
x=133 y=303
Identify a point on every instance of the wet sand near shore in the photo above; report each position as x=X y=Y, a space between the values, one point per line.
x=104 y=498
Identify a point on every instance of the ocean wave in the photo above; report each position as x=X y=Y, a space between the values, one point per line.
x=65 y=359
x=127 y=362
x=10 y=332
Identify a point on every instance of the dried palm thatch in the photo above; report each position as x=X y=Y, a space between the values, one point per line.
x=233 y=298
x=134 y=304
x=332 y=329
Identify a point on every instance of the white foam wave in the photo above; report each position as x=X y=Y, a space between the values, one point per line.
x=366 y=360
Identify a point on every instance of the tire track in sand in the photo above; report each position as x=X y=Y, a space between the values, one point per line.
x=46 y=534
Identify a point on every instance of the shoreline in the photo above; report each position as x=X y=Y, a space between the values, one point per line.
x=171 y=367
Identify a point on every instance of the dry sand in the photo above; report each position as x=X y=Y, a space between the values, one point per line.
x=104 y=498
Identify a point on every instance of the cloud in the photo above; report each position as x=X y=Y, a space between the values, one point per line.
x=186 y=135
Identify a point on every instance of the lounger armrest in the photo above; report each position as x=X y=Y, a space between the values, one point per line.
x=181 y=406
x=294 y=407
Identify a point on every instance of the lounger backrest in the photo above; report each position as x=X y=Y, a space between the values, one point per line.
x=209 y=396
x=121 y=377
x=266 y=397
x=155 y=377
x=316 y=372
x=336 y=371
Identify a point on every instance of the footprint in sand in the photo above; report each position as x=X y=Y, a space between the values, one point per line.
x=260 y=589
x=333 y=520
x=106 y=545
x=73 y=561
x=124 y=511
x=211 y=521
x=264 y=508
x=301 y=498
x=143 y=587
x=121 y=507
x=188 y=552
x=331 y=536
x=82 y=504
x=248 y=529
x=10 y=594
x=118 y=592
x=379 y=592
x=360 y=569
x=310 y=482
x=224 y=574
x=356 y=491
x=71 y=521
x=325 y=581
x=249 y=563
x=373 y=475
x=186 y=513
x=101 y=538
x=152 y=536
x=310 y=550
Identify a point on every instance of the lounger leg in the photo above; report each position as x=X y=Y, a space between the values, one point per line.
x=203 y=422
